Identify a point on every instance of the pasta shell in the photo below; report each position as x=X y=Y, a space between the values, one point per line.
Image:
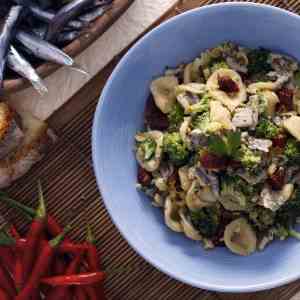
x=172 y=217
x=256 y=87
x=153 y=164
x=185 y=181
x=198 y=197
x=194 y=88
x=272 y=100
x=220 y=114
x=240 y=238
x=163 y=93
x=230 y=101
x=292 y=125
x=185 y=129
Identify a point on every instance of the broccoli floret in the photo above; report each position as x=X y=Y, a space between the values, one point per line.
x=259 y=61
x=297 y=78
x=232 y=198
x=267 y=129
x=247 y=189
x=206 y=221
x=203 y=123
x=262 y=218
x=200 y=107
x=175 y=148
x=292 y=151
x=175 y=117
x=281 y=232
x=249 y=158
x=290 y=211
x=147 y=147
x=219 y=65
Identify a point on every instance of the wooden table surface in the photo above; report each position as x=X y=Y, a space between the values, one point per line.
x=92 y=90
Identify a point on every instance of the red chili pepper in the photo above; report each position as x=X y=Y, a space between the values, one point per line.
x=93 y=261
x=59 y=293
x=80 y=294
x=34 y=236
x=59 y=266
x=18 y=271
x=7 y=258
x=41 y=267
x=65 y=248
x=91 y=292
x=4 y=295
x=75 y=279
x=36 y=295
x=14 y=232
x=6 y=282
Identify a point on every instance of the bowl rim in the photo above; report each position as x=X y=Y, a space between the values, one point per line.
x=96 y=130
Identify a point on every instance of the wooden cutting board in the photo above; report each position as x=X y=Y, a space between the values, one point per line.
x=70 y=186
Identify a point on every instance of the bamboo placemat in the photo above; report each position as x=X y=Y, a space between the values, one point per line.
x=71 y=192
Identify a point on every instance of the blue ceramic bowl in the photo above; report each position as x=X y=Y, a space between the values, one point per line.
x=120 y=115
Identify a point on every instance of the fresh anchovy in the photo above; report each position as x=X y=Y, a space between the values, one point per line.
x=94 y=14
x=64 y=15
x=6 y=35
x=44 y=50
x=20 y=65
x=67 y=36
x=47 y=17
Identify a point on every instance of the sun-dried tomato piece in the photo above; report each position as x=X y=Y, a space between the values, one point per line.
x=212 y=161
x=228 y=85
x=285 y=96
x=234 y=164
x=277 y=179
x=154 y=118
x=279 y=141
x=144 y=177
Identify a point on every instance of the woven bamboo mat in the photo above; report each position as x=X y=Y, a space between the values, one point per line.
x=71 y=193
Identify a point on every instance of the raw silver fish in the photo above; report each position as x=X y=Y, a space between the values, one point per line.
x=64 y=15
x=44 y=50
x=20 y=65
x=6 y=35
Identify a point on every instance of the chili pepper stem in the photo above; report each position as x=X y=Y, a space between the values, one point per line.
x=89 y=235
x=41 y=210
x=58 y=239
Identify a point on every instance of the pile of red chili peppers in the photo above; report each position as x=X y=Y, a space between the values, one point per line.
x=45 y=263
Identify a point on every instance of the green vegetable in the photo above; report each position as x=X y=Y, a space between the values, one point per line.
x=262 y=218
x=258 y=61
x=262 y=104
x=292 y=151
x=247 y=189
x=148 y=147
x=297 y=79
x=281 y=232
x=175 y=117
x=249 y=158
x=290 y=211
x=267 y=129
x=232 y=198
x=295 y=234
x=226 y=145
x=175 y=148
x=219 y=65
x=201 y=121
x=206 y=221
x=200 y=107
